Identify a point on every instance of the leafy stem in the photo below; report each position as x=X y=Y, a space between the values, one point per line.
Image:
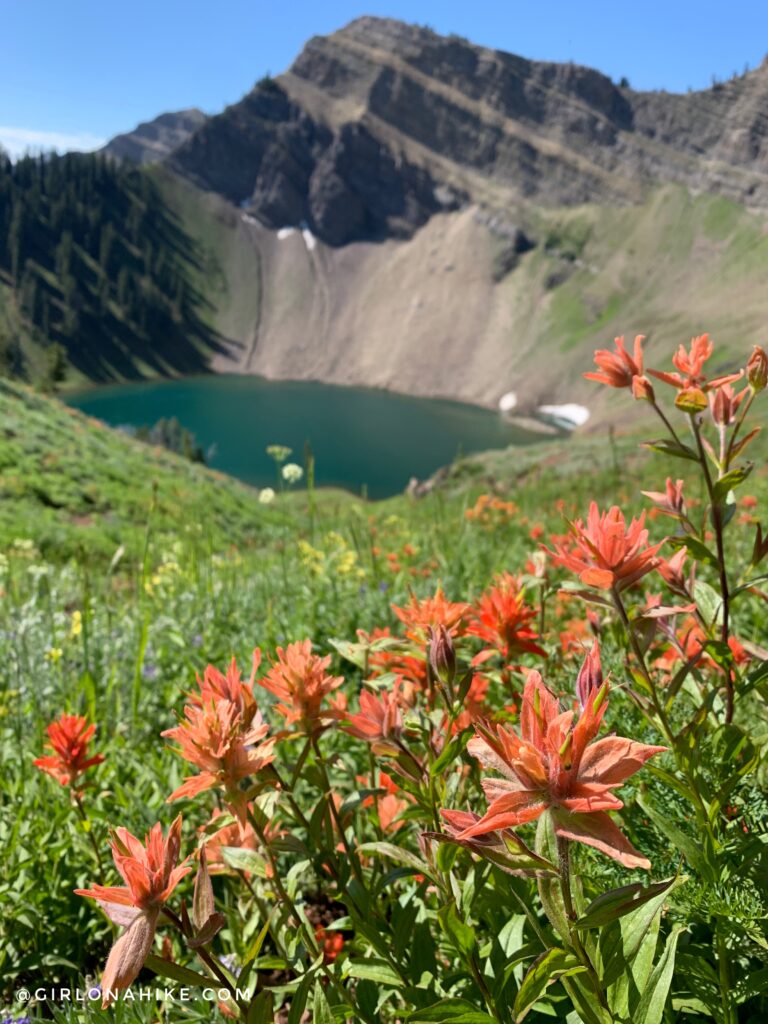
x=718 y=526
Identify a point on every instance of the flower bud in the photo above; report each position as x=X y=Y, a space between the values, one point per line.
x=724 y=404
x=691 y=399
x=442 y=656
x=757 y=369
x=590 y=677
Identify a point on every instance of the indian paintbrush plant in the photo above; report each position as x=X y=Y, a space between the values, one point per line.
x=527 y=802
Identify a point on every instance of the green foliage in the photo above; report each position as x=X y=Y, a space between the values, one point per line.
x=179 y=568
x=101 y=270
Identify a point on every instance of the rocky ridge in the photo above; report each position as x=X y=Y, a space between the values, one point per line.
x=381 y=124
x=152 y=141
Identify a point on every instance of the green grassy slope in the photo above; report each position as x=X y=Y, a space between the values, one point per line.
x=69 y=483
x=73 y=486
x=672 y=267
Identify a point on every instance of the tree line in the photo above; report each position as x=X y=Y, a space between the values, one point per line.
x=100 y=269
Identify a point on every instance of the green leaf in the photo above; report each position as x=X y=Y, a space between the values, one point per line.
x=245 y=860
x=667 y=446
x=461 y=935
x=262 y=1009
x=709 y=601
x=321 y=1011
x=633 y=974
x=610 y=906
x=255 y=947
x=451 y=1011
x=622 y=940
x=552 y=964
x=168 y=969
x=720 y=653
x=753 y=984
x=358 y=653
x=730 y=481
x=762 y=578
x=650 y=1009
x=299 y=999
x=450 y=752
x=582 y=995
x=373 y=970
x=397 y=853
x=696 y=548
x=687 y=846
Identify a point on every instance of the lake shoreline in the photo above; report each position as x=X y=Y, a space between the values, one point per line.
x=363 y=439
x=524 y=418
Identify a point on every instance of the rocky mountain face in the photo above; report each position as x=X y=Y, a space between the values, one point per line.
x=152 y=141
x=409 y=211
x=378 y=126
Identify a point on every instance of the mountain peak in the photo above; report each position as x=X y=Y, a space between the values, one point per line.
x=375 y=124
x=154 y=140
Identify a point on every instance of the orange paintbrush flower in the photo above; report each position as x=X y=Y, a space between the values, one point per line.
x=215 y=686
x=151 y=873
x=691 y=366
x=419 y=617
x=555 y=765
x=68 y=738
x=216 y=739
x=502 y=619
x=379 y=720
x=606 y=552
x=410 y=671
x=670 y=501
x=300 y=681
x=618 y=369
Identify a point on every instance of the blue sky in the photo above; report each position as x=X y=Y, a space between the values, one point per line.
x=74 y=72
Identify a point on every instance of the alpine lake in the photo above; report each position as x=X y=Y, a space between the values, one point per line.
x=367 y=441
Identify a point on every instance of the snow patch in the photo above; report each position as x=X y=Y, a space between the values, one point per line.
x=284 y=233
x=508 y=402
x=570 y=414
x=309 y=239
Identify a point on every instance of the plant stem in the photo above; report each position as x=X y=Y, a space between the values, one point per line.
x=78 y=802
x=737 y=428
x=725 y=983
x=666 y=423
x=666 y=728
x=657 y=704
x=717 y=524
x=205 y=956
x=309 y=938
x=328 y=794
x=564 y=860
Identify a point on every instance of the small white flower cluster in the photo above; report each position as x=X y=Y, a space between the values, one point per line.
x=292 y=473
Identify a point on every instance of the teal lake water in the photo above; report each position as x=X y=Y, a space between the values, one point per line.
x=360 y=438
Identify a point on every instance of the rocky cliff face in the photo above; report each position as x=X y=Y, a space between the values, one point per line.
x=380 y=125
x=269 y=155
x=154 y=140
x=472 y=223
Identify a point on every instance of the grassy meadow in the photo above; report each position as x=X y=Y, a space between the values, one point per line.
x=125 y=571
